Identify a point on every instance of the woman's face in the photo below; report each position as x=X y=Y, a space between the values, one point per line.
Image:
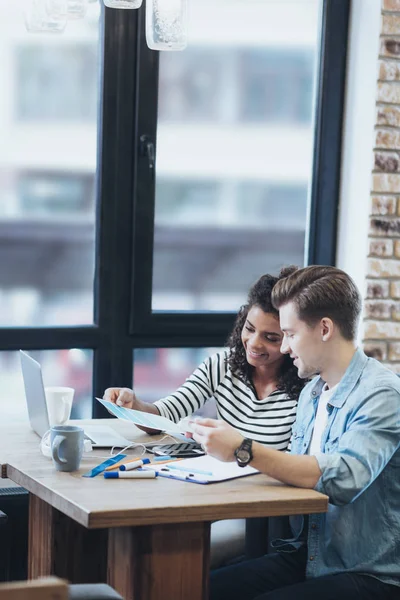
x=262 y=338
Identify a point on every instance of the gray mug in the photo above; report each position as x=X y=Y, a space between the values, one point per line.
x=66 y=442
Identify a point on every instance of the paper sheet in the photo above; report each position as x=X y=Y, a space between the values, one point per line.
x=141 y=418
x=202 y=469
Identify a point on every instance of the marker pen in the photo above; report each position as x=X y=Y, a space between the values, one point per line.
x=134 y=464
x=130 y=474
x=162 y=459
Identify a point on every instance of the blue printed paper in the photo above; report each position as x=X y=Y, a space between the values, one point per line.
x=141 y=418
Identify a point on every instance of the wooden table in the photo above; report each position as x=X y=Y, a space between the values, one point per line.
x=149 y=539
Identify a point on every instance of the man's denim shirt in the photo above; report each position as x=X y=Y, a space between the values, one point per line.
x=360 y=465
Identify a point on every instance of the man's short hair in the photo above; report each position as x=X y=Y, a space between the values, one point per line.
x=321 y=291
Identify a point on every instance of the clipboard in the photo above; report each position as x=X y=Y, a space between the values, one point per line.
x=202 y=470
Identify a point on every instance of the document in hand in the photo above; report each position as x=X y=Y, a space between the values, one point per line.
x=141 y=418
x=203 y=469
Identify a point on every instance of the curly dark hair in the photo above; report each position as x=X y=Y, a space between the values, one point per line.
x=260 y=295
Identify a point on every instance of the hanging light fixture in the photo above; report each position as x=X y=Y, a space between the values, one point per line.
x=166 y=20
x=77 y=9
x=166 y=24
x=123 y=3
x=48 y=16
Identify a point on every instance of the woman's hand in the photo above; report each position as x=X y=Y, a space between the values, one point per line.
x=126 y=398
x=217 y=438
x=122 y=397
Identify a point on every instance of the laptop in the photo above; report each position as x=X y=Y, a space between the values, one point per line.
x=100 y=436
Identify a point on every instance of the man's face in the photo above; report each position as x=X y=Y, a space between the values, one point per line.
x=303 y=343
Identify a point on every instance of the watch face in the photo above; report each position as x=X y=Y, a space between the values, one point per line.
x=243 y=455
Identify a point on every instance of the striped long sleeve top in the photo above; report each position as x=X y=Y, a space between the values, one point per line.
x=268 y=421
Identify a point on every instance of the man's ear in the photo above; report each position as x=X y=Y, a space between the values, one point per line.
x=326 y=325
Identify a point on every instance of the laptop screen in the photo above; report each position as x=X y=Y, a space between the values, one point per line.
x=34 y=394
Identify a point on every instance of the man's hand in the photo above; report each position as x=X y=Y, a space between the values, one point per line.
x=217 y=438
x=221 y=440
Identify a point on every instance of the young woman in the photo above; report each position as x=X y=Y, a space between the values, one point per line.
x=255 y=387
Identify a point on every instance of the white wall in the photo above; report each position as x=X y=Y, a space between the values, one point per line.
x=358 y=139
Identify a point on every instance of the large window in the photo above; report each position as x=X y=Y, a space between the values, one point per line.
x=142 y=193
x=48 y=113
x=235 y=149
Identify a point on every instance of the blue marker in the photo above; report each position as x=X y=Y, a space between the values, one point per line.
x=130 y=474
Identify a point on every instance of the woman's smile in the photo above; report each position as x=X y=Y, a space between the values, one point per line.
x=255 y=354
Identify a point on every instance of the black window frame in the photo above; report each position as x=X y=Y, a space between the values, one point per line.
x=324 y=189
x=126 y=197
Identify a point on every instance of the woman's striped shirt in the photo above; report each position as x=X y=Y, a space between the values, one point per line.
x=268 y=421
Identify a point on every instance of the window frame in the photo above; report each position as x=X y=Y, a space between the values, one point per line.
x=324 y=189
x=123 y=319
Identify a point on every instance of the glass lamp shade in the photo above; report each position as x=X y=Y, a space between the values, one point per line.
x=123 y=3
x=39 y=18
x=166 y=24
x=76 y=9
x=57 y=8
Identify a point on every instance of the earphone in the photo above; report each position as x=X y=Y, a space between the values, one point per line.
x=87 y=445
x=46 y=448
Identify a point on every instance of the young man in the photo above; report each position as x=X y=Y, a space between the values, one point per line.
x=345 y=444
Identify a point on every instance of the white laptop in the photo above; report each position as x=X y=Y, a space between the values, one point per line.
x=100 y=436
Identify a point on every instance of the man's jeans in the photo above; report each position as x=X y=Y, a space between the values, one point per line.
x=282 y=577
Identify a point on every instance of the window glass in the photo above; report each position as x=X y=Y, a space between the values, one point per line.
x=54 y=82
x=281 y=206
x=276 y=85
x=234 y=150
x=192 y=85
x=48 y=124
x=70 y=368
x=158 y=372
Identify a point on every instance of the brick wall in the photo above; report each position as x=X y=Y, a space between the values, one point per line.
x=382 y=303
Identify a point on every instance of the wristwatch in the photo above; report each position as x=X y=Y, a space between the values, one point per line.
x=243 y=454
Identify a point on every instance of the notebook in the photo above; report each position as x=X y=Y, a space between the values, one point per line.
x=202 y=469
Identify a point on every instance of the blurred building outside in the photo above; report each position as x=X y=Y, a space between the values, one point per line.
x=234 y=159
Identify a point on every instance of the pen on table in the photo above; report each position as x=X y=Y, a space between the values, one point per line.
x=134 y=464
x=115 y=465
x=188 y=470
x=160 y=460
x=183 y=476
x=118 y=464
x=130 y=474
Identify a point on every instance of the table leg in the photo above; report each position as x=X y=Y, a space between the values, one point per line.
x=160 y=561
x=60 y=546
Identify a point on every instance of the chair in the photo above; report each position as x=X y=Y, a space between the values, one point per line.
x=53 y=588
x=50 y=588
x=14 y=502
x=3 y=547
x=41 y=589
